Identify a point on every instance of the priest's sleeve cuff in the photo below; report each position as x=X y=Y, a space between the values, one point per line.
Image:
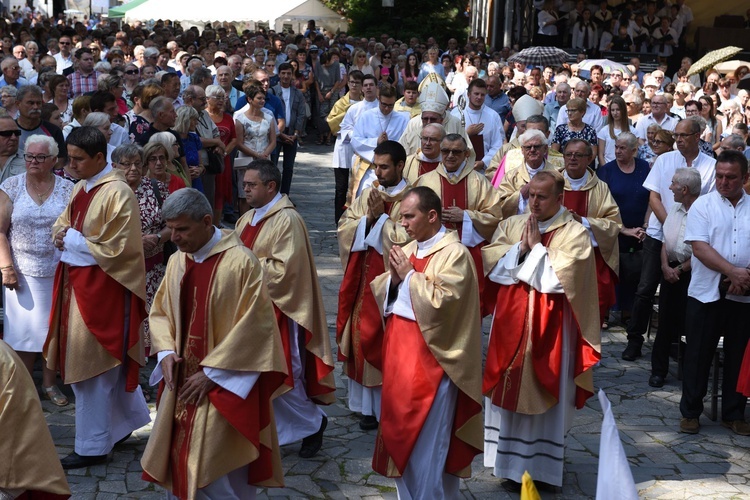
x=374 y=238
x=359 y=244
x=76 y=251
x=157 y=374
x=469 y=235
x=585 y=222
x=237 y=382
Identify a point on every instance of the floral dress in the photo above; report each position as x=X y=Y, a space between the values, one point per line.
x=564 y=135
x=139 y=128
x=151 y=223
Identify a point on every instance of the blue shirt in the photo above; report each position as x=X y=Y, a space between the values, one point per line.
x=629 y=194
x=499 y=104
x=20 y=83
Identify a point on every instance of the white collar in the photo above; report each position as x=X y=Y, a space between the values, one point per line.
x=453 y=175
x=544 y=225
x=94 y=178
x=202 y=254
x=262 y=211
x=422 y=157
x=533 y=172
x=577 y=184
x=425 y=246
x=393 y=190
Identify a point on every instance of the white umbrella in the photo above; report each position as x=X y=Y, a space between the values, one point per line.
x=727 y=66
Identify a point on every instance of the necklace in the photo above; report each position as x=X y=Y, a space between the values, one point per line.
x=41 y=195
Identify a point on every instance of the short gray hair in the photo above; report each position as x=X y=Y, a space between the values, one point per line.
x=532 y=134
x=689 y=178
x=735 y=141
x=29 y=89
x=96 y=119
x=9 y=90
x=159 y=104
x=165 y=139
x=184 y=115
x=215 y=91
x=51 y=144
x=698 y=124
x=186 y=201
x=628 y=138
x=199 y=75
x=125 y=151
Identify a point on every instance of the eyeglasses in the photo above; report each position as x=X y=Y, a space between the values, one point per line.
x=429 y=139
x=36 y=158
x=8 y=133
x=683 y=136
x=157 y=159
x=132 y=72
x=355 y=84
x=629 y=104
x=387 y=106
x=658 y=141
x=574 y=156
x=656 y=103
x=534 y=147
x=127 y=165
x=64 y=43
x=454 y=152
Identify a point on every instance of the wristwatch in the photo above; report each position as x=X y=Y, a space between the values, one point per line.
x=158 y=238
x=679 y=267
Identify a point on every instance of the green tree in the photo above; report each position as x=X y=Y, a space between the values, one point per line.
x=441 y=19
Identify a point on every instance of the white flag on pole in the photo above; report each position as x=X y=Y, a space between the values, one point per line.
x=615 y=481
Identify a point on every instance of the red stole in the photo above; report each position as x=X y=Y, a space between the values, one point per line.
x=110 y=311
x=248 y=416
x=411 y=376
x=578 y=202
x=426 y=167
x=314 y=371
x=457 y=195
x=524 y=315
x=357 y=307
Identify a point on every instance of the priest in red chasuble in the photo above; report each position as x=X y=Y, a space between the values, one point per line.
x=99 y=302
x=427 y=158
x=589 y=202
x=545 y=337
x=431 y=415
x=471 y=206
x=29 y=467
x=366 y=233
x=221 y=362
x=275 y=232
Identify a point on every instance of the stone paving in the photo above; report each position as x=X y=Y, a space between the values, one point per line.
x=665 y=463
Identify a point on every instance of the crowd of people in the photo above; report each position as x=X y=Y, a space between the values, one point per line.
x=465 y=187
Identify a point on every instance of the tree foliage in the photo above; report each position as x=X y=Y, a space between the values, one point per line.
x=441 y=19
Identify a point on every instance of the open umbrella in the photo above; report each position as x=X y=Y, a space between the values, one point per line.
x=732 y=65
x=609 y=66
x=713 y=58
x=540 y=56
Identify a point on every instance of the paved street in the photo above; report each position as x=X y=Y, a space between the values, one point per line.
x=665 y=463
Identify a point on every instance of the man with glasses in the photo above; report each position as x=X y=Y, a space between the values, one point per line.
x=64 y=59
x=11 y=73
x=373 y=127
x=84 y=79
x=10 y=161
x=471 y=206
x=590 y=202
x=428 y=157
x=593 y=114
x=661 y=199
x=658 y=116
x=362 y=95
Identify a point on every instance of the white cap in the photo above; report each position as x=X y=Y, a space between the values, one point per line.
x=525 y=107
x=433 y=98
x=651 y=82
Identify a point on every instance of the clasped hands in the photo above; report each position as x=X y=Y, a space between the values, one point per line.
x=196 y=387
x=400 y=265
x=739 y=281
x=530 y=235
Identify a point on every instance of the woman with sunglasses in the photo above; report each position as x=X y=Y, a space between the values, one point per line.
x=387 y=68
x=30 y=203
x=359 y=62
x=131 y=77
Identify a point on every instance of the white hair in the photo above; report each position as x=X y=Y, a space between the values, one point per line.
x=532 y=134
x=96 y=119
x=51 y=144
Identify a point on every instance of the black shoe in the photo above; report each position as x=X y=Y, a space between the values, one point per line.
x=124 y=439
x=631 y=352
x=311 y=444
x=76 y=461
x=511 y=486
x=656 y=381
x=368 y=423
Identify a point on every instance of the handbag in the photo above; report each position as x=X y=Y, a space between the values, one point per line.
x=215 y=163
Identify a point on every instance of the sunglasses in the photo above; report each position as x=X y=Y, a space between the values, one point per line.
x=132 y=72
x=8 y=133
x=454 y=152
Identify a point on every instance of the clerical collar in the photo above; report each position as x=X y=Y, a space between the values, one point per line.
x=393 y=190
x=422 y=157
x=426 y=245
x=262 y=211
x=577 y=184
x=453 y=175
x=202 y=254
x=94 y=178
x=533 y=172
x=544 y=225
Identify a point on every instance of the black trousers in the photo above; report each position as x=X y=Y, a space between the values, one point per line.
x=287 y=166
x=644 y=294
x=672 y=303
x=342 y=186
x=704 y=324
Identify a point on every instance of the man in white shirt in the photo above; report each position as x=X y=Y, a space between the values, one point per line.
x=660 y=200
x=593 y=114
x=658 y=116
x=718 y=301
x=483 y=126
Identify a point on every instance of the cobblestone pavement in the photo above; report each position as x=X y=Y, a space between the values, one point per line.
x=665 y=463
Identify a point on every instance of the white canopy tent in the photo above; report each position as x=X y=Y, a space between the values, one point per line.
x=273 y=14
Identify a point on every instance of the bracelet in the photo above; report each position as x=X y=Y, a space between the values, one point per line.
x=158 y=238
x=7 y=267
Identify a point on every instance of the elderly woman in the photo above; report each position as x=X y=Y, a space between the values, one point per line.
x=32 y=51
x=151 y=194
x=625 y=176
x=29 y=205
x=59 y=88
x=101 y=121
x=115 y=85
x=575 y=128
x=216 y=96
x=159 y=156
x=8 y=98
x=185 y=126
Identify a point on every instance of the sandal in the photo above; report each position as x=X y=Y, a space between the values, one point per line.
x=319 y=142
x=146 y=394
x=54 y=394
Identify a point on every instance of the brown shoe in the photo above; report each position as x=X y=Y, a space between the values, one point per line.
x=690 y=425
x=739 y=427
